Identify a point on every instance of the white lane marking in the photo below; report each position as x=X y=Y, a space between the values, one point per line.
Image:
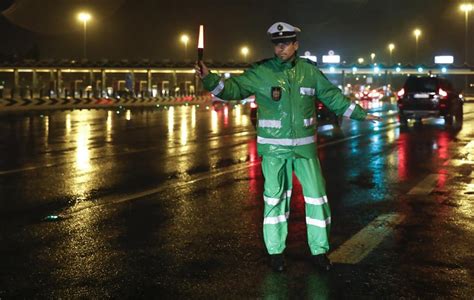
x=425 y=186
x=362 y=243
x=26 y=169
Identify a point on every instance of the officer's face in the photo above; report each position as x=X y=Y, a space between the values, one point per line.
x=286 y=50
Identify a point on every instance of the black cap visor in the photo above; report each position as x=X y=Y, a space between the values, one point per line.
x=283 y=40
x=283 y=37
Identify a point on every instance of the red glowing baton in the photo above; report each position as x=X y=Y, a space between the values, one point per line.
x=200 y=46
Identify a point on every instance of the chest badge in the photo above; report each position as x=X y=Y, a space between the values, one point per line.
x=276 y=93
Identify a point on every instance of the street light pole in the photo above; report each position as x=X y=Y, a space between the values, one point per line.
x=85 y=39
x=245 y=51
x=417 y=33
x=466 y=8
x=185 y=40
x=391 y=46
x=84 y=17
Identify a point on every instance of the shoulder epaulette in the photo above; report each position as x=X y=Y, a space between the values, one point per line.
x=261 y=62
x=310 y=62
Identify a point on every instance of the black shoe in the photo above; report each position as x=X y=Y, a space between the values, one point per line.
x=277 y=262
x=322 y=262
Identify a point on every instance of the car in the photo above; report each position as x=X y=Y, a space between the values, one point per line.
x=427 y=96
x=369 y=95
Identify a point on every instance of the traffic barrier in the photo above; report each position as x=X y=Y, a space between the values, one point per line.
x=27 y=104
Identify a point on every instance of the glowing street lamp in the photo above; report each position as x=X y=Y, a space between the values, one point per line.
x=84 y=17
x=391 y=46
x=372 y=57
x=466 y=8
x=360 y=60
x=417 y=33
x=245 y=51
x=185 y=39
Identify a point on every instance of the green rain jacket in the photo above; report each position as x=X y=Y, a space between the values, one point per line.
x=285 y=93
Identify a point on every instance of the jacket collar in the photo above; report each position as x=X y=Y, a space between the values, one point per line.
x=285 y=65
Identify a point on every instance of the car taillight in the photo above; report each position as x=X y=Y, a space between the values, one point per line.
x=253 y=105
x=442 y=94
x=401 y=93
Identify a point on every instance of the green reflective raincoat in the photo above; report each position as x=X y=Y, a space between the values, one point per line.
x=285 y=93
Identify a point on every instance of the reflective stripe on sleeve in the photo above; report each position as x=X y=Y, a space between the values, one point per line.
x=287 y=142
x=349 y=110
x=316 y=201
x=218 y=89
x=269 y=123
x=276 y=220
x=309 y=122
x=318 y=223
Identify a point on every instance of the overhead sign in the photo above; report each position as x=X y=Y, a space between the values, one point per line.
x=331 y=59
x=310 y=57
x=444 y=59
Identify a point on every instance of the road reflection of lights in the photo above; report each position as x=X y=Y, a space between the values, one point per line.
x=46 y=129
x=170 y=122
x=108 y=127
x=68 y=124
x=82 y=147
x=403 y=156
x=442 y=177
x=245 y=120
x=443 y=142
x=226 y=115
x=238 y=115
x=193 y=117
x=184 y=126
x=128 y=115
x=392 y=135
x=214 y=121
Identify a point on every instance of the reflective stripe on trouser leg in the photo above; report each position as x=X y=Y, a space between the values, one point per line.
x=318 y=214
x=276 y=194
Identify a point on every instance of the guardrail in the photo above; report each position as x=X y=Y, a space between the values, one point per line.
x=26 y=104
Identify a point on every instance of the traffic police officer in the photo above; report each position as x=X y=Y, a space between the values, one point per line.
x=285 y=88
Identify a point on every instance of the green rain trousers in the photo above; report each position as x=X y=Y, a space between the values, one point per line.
x=277 y=195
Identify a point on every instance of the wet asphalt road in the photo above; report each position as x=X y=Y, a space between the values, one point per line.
x=166 y=203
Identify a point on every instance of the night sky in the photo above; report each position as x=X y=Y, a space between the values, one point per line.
x=150 y=29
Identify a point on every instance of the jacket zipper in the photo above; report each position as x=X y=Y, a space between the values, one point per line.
x=290 y=81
